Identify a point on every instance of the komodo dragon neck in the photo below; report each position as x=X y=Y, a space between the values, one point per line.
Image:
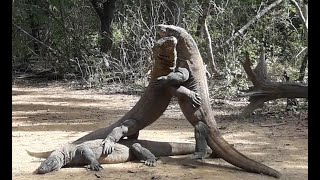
x=189 y=57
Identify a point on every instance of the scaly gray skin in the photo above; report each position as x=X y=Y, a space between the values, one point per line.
x=189 y=57
x=90 y=153
x=154 y=100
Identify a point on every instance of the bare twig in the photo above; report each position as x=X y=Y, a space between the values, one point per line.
x=302 y=16
x=271 y=125
x=246 y=26
x=29 y=35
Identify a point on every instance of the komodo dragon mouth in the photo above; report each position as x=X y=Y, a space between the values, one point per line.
x=168 y=45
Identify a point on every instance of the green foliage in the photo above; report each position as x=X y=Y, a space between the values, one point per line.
x=70 y=37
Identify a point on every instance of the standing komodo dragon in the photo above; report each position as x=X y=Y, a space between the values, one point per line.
x=154 y=100
x=90 y=153
x=189 y=57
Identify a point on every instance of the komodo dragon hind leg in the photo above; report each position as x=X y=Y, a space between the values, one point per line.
x=143 y=154
x=201 y=134
x=86 y=153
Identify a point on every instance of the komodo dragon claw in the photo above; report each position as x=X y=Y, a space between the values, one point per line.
x=95 y=167
x=196 y=100
x=150 y=162
x=108 y=147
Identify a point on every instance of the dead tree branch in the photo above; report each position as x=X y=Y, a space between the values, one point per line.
x=265 y=90
x=303 y=14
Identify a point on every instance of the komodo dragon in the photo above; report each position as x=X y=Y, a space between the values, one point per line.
x=189 y=57
x=154 y=100
x=90 y=153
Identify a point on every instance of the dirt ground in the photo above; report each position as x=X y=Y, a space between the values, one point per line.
x=46 y=117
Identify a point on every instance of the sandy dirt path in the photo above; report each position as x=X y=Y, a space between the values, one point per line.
x=46 y=117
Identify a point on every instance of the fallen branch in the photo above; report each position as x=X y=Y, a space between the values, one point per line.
x=264 y=89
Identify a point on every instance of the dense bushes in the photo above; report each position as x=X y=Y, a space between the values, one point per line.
x=64 y=36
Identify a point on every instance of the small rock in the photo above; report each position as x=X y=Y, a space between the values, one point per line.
x=155 y=177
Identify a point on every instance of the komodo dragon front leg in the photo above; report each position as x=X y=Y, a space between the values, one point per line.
x=143 y=154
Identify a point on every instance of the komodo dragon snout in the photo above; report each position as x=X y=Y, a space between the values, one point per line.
x=52 y=163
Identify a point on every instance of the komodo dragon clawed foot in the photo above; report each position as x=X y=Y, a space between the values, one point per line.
x=144 y=154
x=95 y=166
x=150 y=162
x=198 y=155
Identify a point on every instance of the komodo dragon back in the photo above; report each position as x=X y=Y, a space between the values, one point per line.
x=189 y=57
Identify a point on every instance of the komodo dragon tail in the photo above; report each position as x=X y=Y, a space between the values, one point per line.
x=39 y=154
x=231 y=155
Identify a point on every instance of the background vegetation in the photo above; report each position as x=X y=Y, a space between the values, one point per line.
x=65 y=38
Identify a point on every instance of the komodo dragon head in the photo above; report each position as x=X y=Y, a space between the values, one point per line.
x=54 y=162
x=165 y=56
x=187 y=49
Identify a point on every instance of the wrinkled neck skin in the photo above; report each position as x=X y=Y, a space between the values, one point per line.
x=55 y=161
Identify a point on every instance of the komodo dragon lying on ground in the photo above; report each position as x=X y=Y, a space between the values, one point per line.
x=189 y=57
x=90 y=153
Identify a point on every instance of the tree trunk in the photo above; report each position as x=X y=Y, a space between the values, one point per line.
x=264 y=90
x=202 y=18
x=303 y=67
x=173 y=12
x=34 y=26
x=210 y=59
x=302 y=8
x=105 y=10
x=202 y=28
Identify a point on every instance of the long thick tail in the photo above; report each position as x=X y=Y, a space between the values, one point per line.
x=231 y=155
x=39 y=154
